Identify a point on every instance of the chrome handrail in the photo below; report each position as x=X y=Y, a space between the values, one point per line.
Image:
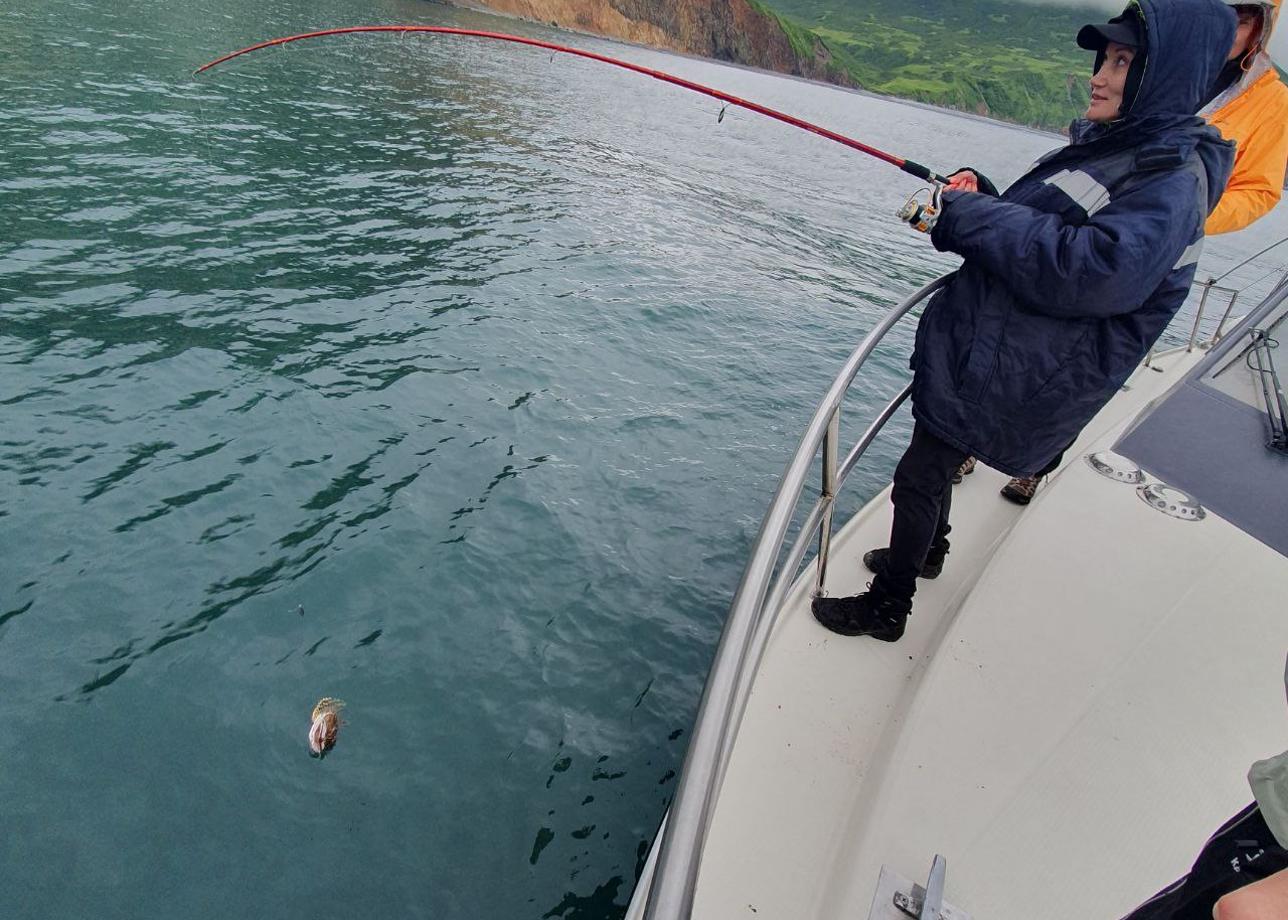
x=673 y=879
x=819 y=520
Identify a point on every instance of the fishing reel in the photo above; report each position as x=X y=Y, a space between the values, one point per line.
x=922 y=208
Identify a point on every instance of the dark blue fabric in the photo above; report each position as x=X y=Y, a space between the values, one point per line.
x=1053 y=307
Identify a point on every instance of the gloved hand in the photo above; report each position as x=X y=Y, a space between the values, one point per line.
x=970 y=180
x=921 y=215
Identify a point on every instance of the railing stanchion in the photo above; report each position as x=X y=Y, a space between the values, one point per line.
x=830 y=450
x=1194 y=333
x=1216 y=336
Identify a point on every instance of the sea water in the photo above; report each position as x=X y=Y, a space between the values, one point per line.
x=450 y=378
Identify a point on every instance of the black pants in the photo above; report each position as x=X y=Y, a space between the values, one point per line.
x=922 y=498
x=1241 y=852
x=1053 y=462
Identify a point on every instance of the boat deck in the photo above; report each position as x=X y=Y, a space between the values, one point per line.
x=1089 y=620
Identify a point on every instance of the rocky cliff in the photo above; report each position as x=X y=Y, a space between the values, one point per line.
x=739 y=31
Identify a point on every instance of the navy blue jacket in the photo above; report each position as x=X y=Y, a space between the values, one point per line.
x=1072 y=274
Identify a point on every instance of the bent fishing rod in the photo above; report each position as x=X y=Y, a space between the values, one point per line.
x=908 y=166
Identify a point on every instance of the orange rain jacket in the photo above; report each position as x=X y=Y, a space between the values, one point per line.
x=1254 y=114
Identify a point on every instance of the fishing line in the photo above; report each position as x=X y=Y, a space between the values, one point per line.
x=211 y=162
x=1273 y=271
x=908 y=166
x=1256 y=255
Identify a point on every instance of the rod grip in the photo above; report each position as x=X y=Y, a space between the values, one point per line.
x=923 y=172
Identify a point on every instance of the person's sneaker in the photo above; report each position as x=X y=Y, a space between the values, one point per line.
x=875 y=560
x=1020 y=490
x=868 y=614
x=967 y=467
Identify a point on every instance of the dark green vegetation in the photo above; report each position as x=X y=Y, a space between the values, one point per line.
x=1009 y=60
x=802 y=40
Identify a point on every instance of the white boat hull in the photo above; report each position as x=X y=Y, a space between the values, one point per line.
x=1070 y=713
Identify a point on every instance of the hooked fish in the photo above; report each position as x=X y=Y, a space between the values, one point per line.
x=326 y=725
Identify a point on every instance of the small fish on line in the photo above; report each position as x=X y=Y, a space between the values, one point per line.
x=326 y=725
x=720 y=117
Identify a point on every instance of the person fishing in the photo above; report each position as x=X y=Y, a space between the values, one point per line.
x=1248 y=104
x=1067 y=280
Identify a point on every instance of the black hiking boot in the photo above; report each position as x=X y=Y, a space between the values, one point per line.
x=871 y=613
x=875 y=560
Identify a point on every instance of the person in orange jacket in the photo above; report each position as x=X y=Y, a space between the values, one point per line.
x=1249 y=105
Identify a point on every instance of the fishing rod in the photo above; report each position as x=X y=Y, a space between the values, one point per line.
x=908 y=166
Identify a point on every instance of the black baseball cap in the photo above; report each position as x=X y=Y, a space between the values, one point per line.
x=1123 y=29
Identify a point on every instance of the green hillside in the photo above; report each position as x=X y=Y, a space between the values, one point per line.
x=1010 y=60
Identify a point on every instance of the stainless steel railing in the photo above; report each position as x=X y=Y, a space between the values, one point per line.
x=670 y=875
x=1233 y=293
x=1208 y=287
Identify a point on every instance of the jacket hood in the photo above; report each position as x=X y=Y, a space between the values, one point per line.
x=1187 y=42
x=1272 y=16
x=1255 y=69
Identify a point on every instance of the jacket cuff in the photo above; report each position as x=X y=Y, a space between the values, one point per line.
x=941 y=234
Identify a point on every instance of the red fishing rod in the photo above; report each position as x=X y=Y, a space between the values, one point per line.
x=908 y=166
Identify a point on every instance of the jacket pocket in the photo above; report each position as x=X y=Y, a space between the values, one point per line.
x=1075 y=370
